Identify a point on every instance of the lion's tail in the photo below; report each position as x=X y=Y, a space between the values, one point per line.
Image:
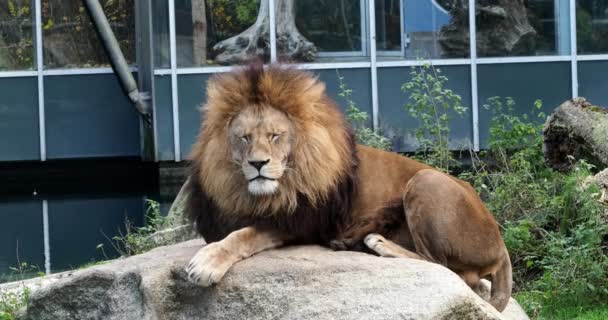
x=502 y=283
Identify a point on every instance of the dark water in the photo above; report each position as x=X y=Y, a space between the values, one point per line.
x=54 y=218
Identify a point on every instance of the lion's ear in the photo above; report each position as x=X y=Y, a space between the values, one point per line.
x=213 y=89
x=317 y=89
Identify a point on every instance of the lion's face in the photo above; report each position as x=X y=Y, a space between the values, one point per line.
x=260 y=138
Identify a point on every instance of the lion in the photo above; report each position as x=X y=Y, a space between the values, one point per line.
x=277 y=164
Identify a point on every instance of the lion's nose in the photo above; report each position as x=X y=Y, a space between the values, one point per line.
x=258 y=164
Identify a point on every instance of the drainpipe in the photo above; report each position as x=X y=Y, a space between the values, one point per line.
x=117 y=58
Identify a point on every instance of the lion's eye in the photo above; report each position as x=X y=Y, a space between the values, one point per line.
x=245 y=139
x=274 y=137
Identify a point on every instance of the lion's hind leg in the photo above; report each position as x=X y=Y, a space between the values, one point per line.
x=387 y=248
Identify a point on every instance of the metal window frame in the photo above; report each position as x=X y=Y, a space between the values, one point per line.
x=40 y=78
x=174 y=89
x=46 y=236
x=573 y=49
x=368 y=48
x=474 y=83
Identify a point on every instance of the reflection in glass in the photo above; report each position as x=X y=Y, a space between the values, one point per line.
x=332 y=26
x=388 y=25
x=160 y=27
x=221 y=31
x=522 y=28
x=592 y=26
x=16 y=34
x=423 y=28
x=70 y=39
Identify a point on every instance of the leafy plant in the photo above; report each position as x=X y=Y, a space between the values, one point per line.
x=136 y=240
x=359 y=119
x=13 y=301
x=432 y=105
x=551 y=220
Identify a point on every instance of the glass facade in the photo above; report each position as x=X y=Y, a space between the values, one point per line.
x=73 y=106
x=335 y=30
x=221 y=32
x=413 y=29
x=522 y=28
x=70 y=40
x=592 y=26
x=16 y=35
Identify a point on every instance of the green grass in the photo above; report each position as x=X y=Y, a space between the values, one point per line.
x=538 y=307
x=12 y=302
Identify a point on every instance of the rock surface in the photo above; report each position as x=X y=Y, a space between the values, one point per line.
x=291 y=283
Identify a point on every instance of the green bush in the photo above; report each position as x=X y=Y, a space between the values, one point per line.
x=433 y=106
x=550 y=221
x=136 y=240
x=359 y=119
x=11 y=302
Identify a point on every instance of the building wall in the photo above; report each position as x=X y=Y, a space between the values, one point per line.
x=61 y=100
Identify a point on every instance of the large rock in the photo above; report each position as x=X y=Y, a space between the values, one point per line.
x=291 y=283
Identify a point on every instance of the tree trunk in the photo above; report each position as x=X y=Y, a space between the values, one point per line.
x=576 y=130
x=503 y=28
x=255 y=41
x=199 y=32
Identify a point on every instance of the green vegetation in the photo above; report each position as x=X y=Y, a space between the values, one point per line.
x=432 y=105
x=551 y=221
x=359 y=121
x=13 y=301
x=136 y=240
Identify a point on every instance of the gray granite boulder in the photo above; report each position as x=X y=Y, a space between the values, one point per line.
x=306 y=282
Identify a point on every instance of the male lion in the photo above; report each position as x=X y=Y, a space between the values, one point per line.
x=276 y=164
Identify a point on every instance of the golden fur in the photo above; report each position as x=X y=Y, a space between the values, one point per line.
x=330 y=191
x=322 y=147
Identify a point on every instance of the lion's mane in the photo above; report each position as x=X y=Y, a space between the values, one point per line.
x=315 y=193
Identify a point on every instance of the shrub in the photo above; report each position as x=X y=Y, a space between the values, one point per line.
x=359 y=119
x=432 y=105
x=551 y=221
x=136 y=240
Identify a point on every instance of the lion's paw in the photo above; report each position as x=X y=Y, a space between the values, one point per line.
x=209 y=265
x=376 y=243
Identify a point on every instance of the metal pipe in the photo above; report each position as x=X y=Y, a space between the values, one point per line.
x=119 y=63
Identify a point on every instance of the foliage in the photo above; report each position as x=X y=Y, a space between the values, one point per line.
x=16 y=46
x=228 y=17
x=559 y=309
x=432 y=105
x=551 y=221
x=359 y=119
x=136 y=240
x=71 y=40
x=12 y=301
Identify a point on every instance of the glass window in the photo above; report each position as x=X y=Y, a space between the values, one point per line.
x=525 y=83
x=522 y=28
x=388 y=25
x=221 y=31
x=592 y=26
x=16 y=35
x=70 y=39
x=160 y=27
x=414 y=29
x=331 y=28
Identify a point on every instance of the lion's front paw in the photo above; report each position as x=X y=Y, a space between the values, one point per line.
x=373 y=240
x=376 y=243
x=209 y=265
